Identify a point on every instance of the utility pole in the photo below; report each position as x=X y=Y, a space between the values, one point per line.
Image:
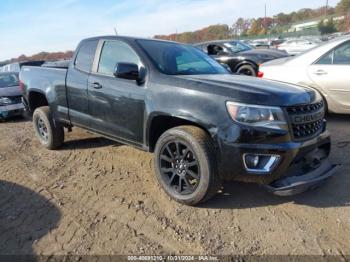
x=326 y=9
x=115 y=31
x=265 y=23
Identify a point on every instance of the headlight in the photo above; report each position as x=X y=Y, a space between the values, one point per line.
x=5 y=101
x=258 y=116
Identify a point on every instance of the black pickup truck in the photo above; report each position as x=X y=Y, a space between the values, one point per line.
x=203 y=124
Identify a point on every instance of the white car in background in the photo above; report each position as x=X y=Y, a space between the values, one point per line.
x=325 y=68
x=298 y=46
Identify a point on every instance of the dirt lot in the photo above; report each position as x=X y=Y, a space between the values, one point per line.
x=97 y=197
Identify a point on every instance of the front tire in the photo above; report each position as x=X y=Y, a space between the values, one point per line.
x=49 y=133
x=186 y=166
x=247 y=70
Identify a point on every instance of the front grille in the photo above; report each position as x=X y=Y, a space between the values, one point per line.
x=301 y=109
x=306 y=120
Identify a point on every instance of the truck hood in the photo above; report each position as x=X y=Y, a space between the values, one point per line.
x=252 y=90
x=10 y=91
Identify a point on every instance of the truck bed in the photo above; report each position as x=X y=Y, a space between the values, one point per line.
x=50 y=82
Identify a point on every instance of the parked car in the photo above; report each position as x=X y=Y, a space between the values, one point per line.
x=10 y=96
x=276 y=43
x=204 y=124
x=298 y=46
x=325 y=68
x=240 y=57
x=260 y=44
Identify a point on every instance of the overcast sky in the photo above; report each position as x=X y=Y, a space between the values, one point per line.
x=28 y=27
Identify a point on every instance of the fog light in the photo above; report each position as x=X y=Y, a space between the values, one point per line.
x=252 y=161
x=260 y=163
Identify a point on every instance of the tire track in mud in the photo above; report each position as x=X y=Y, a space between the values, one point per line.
x=110 y=203
x=139 y=219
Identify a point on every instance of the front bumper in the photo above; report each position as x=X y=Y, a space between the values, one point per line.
x=297 y=182
x=11 y=110
x=291 y=153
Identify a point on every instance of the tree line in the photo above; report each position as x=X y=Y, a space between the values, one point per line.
x=275 y=25
x=44 y=56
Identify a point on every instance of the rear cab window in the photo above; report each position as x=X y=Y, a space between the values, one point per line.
x=86 y=55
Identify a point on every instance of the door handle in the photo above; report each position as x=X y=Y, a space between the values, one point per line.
x=320 y=72
x=96 y=85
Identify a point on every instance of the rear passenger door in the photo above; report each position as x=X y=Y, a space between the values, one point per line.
x=116 y=106
x=331 y=74
x=77 y=80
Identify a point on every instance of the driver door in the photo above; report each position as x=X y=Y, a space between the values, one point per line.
x=116 y=105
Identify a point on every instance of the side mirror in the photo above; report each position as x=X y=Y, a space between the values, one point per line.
x=128 y=71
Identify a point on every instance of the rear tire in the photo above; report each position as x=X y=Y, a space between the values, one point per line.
x=186 y=166
x=49 y=133
x=247 y=70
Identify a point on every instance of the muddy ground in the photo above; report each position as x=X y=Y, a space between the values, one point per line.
x=95 y=196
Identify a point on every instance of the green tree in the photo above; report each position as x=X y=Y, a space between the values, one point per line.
x=255 y=27
x=327 y=27
x=283 y=19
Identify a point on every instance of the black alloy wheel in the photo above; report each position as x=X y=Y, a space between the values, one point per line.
x=186 y=165
x=179 y=167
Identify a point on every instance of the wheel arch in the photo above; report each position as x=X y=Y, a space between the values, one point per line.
x=160 y=123
x=247 y=62
x=36 y=99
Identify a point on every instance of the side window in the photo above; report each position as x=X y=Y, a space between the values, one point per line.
x=235 y=47
x=338 y=56
x=214 y=49
x=342 y=55
x=85 y=56
x=326 y=59
x=115 y=52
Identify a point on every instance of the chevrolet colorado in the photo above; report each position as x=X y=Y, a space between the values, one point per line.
x=203 y=124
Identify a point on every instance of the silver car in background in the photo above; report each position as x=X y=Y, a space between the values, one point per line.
x=325 y=68
x=10 y=96
x=298 y=46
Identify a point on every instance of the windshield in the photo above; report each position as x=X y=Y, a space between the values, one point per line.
x=8 y=79
x=236 y=47
x=177 y=59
